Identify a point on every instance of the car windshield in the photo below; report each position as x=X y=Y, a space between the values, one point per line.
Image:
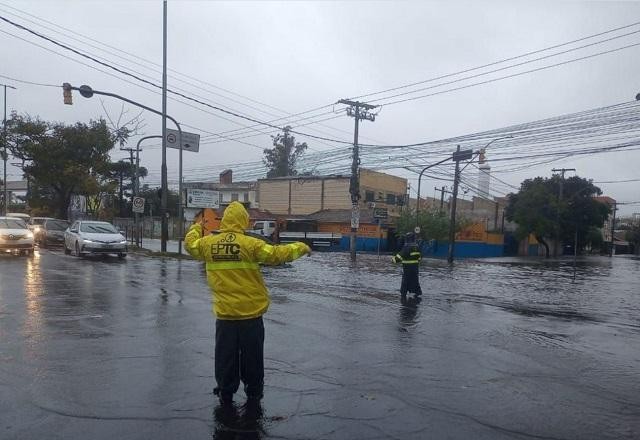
x=57 y=225
x=38 y=221
x=98 y=228
x=11 y=223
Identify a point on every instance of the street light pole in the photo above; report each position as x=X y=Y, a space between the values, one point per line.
x=5 y=205
x=88 y=92
x=420 y=181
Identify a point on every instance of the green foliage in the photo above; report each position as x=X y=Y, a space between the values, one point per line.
x=153 y=202
x=434 y=224
x=594 y=238
x=536 y=209
x=281 y=159
x=59 y=160
x=633 y=236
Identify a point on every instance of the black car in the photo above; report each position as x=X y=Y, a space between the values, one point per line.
x=51 y=232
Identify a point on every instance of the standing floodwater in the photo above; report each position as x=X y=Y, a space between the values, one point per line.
x=100 y=348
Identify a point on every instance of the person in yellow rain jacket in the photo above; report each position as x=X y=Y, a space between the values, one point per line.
x=240 y=297
x=410 y=257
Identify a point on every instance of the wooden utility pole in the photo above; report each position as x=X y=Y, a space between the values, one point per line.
x=359 y=111
x=560 y=194
x=442 y=192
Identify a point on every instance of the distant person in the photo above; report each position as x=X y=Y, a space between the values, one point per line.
x=240 y=298
x=410 y=257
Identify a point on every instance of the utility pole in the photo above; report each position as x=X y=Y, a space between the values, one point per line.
x=360 y=111
x=613 y=229
x=164 y=199
x=442 y=192
x=5 y=204
x=457 y=157
x=560 y=194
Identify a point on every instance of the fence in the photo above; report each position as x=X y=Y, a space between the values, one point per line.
x=147 y=227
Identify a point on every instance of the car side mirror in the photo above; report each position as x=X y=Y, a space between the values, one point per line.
x=122 y=232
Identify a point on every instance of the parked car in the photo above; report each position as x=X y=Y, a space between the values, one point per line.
x=21 y=215
x=35 y=223
x=15 y=236
x=50 y=232
x=84 y=237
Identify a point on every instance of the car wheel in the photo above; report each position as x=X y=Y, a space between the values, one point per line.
x=122 y=256
x=78 y=253
x=67 y=251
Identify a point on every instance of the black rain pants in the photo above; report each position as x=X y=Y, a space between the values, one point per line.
x=239 y=355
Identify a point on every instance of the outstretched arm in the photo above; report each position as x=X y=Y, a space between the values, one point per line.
x=277 y=254
x=193 y=240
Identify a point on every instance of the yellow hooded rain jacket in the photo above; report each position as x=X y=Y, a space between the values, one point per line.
x=233 y=258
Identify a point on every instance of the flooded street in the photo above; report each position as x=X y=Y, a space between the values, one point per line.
x=496 y=349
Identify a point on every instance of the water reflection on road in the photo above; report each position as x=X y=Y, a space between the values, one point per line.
x=500 y=348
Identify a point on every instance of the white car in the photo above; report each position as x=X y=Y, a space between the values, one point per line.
x=15 y=236
x=93 y=237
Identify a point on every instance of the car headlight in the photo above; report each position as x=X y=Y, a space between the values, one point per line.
x=123 y=242
x=86 y=240
x=29 y=234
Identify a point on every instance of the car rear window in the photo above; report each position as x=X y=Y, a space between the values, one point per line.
x=10 y=223
x=57 y=225
x=98 y=228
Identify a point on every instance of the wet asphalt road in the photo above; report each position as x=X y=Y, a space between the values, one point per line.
x=99 y=348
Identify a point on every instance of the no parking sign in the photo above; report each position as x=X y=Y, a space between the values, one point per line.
x=138 y=205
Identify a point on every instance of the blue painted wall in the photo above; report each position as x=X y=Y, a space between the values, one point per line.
x=462 y=250
x=433 y=250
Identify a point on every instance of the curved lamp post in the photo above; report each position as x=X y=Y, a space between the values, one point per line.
x=88 y=92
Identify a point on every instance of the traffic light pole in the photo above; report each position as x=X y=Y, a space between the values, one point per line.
x=88 y=92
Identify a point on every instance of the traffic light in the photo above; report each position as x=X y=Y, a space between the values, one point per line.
x=66 y=94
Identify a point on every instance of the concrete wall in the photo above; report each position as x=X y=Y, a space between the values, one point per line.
x=382 y=184
x=274 y=196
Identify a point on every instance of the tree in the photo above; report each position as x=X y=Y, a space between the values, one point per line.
x=153 y=202
x=536 y=209
x=434 y=224
x=281 y=159
x=59 y=160
x=633 y=236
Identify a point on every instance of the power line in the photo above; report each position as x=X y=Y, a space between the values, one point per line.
x=145 y=81
x=498 y=62
x=513 y=75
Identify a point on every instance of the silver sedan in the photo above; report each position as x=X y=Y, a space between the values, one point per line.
x=93 y=237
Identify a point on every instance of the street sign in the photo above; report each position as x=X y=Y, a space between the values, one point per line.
x=355 y=217
x=416 y=230
x=138 y=205
x=190 y=141
x=380 y=213
x=202 y=198
x=462 y=155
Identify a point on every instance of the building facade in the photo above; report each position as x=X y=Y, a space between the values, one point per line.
x=304 y=195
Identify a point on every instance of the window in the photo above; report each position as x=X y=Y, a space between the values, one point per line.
x=220 y=198
x=245 y=197
x=368 y=196
x=391 y=199
x=234 y=197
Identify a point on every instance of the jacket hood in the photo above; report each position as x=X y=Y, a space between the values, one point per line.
x=235 y=218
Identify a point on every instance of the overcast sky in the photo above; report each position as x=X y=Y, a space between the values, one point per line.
x=296 y=56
